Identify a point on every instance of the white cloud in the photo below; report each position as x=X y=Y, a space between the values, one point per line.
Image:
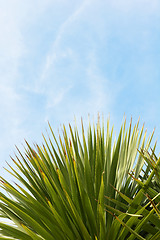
x=14 y=17
x=69 y=77
x=54 y=52
x=55 y=98
x=98 y=86
x=134 y=5
x=11 y=45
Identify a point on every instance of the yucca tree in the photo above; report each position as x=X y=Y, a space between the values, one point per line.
x=79 y=187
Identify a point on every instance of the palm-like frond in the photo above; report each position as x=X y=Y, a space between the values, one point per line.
x=65 y=188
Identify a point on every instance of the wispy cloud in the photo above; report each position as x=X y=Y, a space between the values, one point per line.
x=98 y=86
x=135 y=5
x=56 y=98
x=14 y=109
x=64 y=58
x=54 y=52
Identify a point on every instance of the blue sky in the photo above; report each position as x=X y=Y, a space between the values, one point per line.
x=61 y=59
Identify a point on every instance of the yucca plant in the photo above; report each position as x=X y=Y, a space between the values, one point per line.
x=79 y=187
x=144 y=206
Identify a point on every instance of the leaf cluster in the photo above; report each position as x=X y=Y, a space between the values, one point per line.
x=87 y=186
